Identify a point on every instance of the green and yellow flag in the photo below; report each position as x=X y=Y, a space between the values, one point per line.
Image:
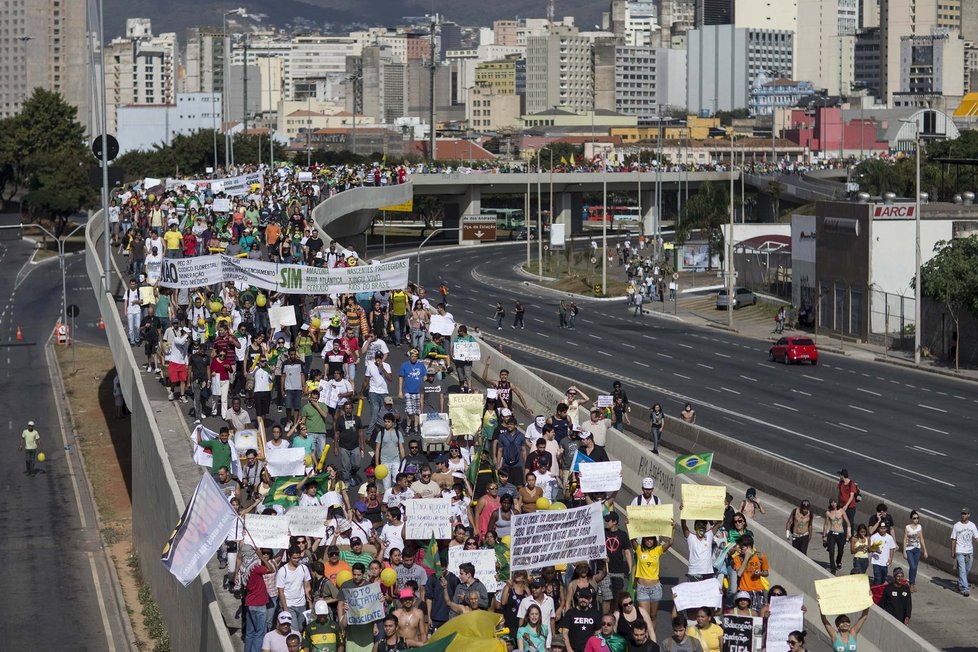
x=695 y=463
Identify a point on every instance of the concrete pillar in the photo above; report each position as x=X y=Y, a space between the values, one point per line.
x=469 y=203
x=648 y=211
x=576 y=215
x=562 y=209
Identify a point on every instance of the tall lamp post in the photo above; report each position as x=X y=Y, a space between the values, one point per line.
x=730 y=239
x=540 y=208
x=240 y=11
x=917 y=294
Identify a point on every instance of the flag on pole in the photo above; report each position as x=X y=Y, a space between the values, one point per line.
x=580 y=458
x=696 y=463
x=432 y=559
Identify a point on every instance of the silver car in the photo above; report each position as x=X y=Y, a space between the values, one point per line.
x=742 y=297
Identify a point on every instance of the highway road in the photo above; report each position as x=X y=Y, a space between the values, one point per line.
x=50 y=533
x=903 y=434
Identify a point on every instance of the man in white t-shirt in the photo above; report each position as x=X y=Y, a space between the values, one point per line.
x=335 y=391
x=963 y=536
x=177 y=357
x=646 y=497
x=882 y=547
x=377 y=374
x=700 y=544
x=294 y=585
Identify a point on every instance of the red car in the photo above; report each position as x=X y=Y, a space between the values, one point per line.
x=794 y=349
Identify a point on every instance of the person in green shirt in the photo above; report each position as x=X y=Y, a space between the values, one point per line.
x=314 y=414
x=220 y=449
x=30 y=442
x=303 y=344
x=322 y=634
x=356 y=553
x=434 y=354
x=607 y=637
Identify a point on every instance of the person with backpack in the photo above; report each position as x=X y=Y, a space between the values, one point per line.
x=388 y=443
x=848 y=497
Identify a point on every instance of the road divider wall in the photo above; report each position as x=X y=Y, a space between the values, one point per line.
x=160 y=485
x=795 y=571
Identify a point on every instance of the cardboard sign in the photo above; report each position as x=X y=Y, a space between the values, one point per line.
x=692 y=595
x=547 y=538
x=309 y=521
x=703 y=502
x=427 y=517
x=465 y=412
x=649 y=521
x=600 y=476
x=484 y=562
x=284 y=462
x=466 y=351
x=364 y=604
x=843 y=595
x=786 y=617
x=267 y=531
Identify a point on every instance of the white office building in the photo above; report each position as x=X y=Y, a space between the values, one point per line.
x=144 y=127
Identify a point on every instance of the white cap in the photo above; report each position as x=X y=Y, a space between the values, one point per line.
x=322 y=608
x=506 y=412
x=648 y=483
x=285 y=617
x=30 y=423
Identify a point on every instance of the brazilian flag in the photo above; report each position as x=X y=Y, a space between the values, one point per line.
x=284 y=491
x=695 y=463
x=432 y=559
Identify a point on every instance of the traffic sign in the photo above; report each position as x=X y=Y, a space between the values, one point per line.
x=478 y=228
x=112 y=145
x=72 y=310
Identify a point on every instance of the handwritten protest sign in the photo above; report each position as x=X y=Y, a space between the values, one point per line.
x=282 y=462
x=308 y=520
x=742 y=633
x=600 y=476
x=843 y=595
x=443 y=324
x=364 y=604
x=702 y=502
x=221 y=205
x=484 y=562
x=305 y=176
x=465 y=412
x=692 y=595
x=557 y=537
x=267 y=531
x=649 y=521
x=427 y=517
x=605 y=400
x=786 y=617
x=466 y=351
x=281 y=316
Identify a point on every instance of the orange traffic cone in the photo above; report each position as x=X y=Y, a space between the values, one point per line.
x=101 y=325
x=20 y=336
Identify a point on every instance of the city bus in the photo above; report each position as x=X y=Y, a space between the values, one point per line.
x=508 y=219
x=618 y=216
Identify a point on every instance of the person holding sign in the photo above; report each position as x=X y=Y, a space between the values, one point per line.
x=700 y=543
x=844 y=634
x=648 y=589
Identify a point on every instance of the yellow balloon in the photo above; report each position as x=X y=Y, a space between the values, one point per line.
x=316 y=322
x=543 y=503
x=560 y=568
x=380 y=471
x=506 y=540
x=41 y=457
x=388 y=576
x=216 y=306
x=151 y=198
x=558 y=506
x=343 y=577
x=261 y=300
x=201 y=322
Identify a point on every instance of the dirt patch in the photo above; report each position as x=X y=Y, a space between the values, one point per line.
x=104 y=441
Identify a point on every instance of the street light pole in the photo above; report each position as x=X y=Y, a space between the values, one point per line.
x=604 y=224
x=425 y=241
x=730 y=239
x=917 y=291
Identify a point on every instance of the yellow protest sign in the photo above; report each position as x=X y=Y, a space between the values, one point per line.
x=649 y=521
x=703 y=502
x=465 y=413
x=406 y=207
x=843 y=595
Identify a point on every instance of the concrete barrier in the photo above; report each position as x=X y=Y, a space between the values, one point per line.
x=349 y=213
x=793 y=570
x=162 y=481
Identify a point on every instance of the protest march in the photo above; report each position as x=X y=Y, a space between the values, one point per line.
x=363 y=490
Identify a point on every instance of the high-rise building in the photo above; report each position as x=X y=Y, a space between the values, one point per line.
x=140 y=68
x=869 y=16
x=826 y=44
x=203 y=63
x=932 y=65
x=558 y=70
x=767 y=14
x=648 y=80
x=743 y=55
x=505 y=32
x=949 y=14
x=676 y=17
x=969 y=20
x=714 y=12
x=899 y=18
x=866 y=61
x=266 y=56
x=381 y=93
x=43 y=45
x=315 y=61
x=641 y=23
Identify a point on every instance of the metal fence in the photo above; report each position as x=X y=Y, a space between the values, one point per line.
x=765 y=272
x=891 y=320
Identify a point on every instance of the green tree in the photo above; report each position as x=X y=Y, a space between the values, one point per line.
x=877 y=177
x=707 y=211
x=951 y=277
x=562 y=152
x=60 y=185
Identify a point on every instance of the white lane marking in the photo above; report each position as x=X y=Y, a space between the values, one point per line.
x=705 y=366
x=649 y=337
x=868 y=391
x=607 y=354
x=594 y=336
x=940 y=516
x=681 y=376
x=685 y=346
x=467 y=311
x=627 y=345
x=572 y=342
x=960 y=397
x=813 y=378
x=908 y=477
x=798 y=391
x=722 y=355
x=587 y=321
x=753 y=380
x=930 y=407
x=763 y=364
x=734 y=421
x=846 y=425
x=861 y=409
x=101 y=603
x=927 y=450
x=940 y=432
x=732 y=391
x=924 y=389
x=544 y=335
x=942 y=393
x=641 y=364
x=714 y=389
x=537 y=320
x=820 y=448
x=785 y=407
x=664 y=355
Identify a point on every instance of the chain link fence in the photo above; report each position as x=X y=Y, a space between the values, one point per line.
x=891 y=322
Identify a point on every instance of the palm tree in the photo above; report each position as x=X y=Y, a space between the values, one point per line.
x=707 y=210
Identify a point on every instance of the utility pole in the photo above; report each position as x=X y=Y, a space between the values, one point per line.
x=244 y=111
x=730 y=240
x=917 y=289
x=431 y=92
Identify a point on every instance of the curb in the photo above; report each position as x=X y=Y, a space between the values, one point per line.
x=929 y=370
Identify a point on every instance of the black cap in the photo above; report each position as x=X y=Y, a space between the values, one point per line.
x=844 y=473
x=611 y=516
x=355 y=541
x=332 y=550
x=536 y=582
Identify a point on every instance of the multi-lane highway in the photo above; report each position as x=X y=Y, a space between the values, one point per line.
x=903 y=434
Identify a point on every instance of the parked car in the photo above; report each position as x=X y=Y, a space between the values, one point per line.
x=742 y=297
x=794 y=349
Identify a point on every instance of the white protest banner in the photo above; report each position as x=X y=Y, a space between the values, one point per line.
x=217 y=187
x=191 y=272
x=305 y=176
x=786 y=617
x=600 y=476
x=221 y=205
x=200 y=531
x=605 y=400
x=283 y=462
x=267 y=531
x=466 y=351
x=151 y=182
x=549 y=537
x=442 y=324
x=427 y=517
x=307 y=520
x=364 y=604
x=691 y=595
x=281 y=316
x=742 y=633
x=483 y=560
x=259 y=273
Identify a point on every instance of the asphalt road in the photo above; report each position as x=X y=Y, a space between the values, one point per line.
x=906 y=435
x=50 y=538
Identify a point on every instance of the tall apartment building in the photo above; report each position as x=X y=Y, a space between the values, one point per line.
x=869 y=15
x=647 y=79
x=641 y=23
x=505 y=32
x=932 y=65
x=558 y=70
x=499 y=76
x=866 y=60
x=899 y=18
x=315 y=61
x=265 y=56
x=43 y=44
x=203 y=61
x=381 y=93
x=714 y=12
x=742 y=54
x=826 y=44
x=767 y=14
x=675 y=17
x=140 y=68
